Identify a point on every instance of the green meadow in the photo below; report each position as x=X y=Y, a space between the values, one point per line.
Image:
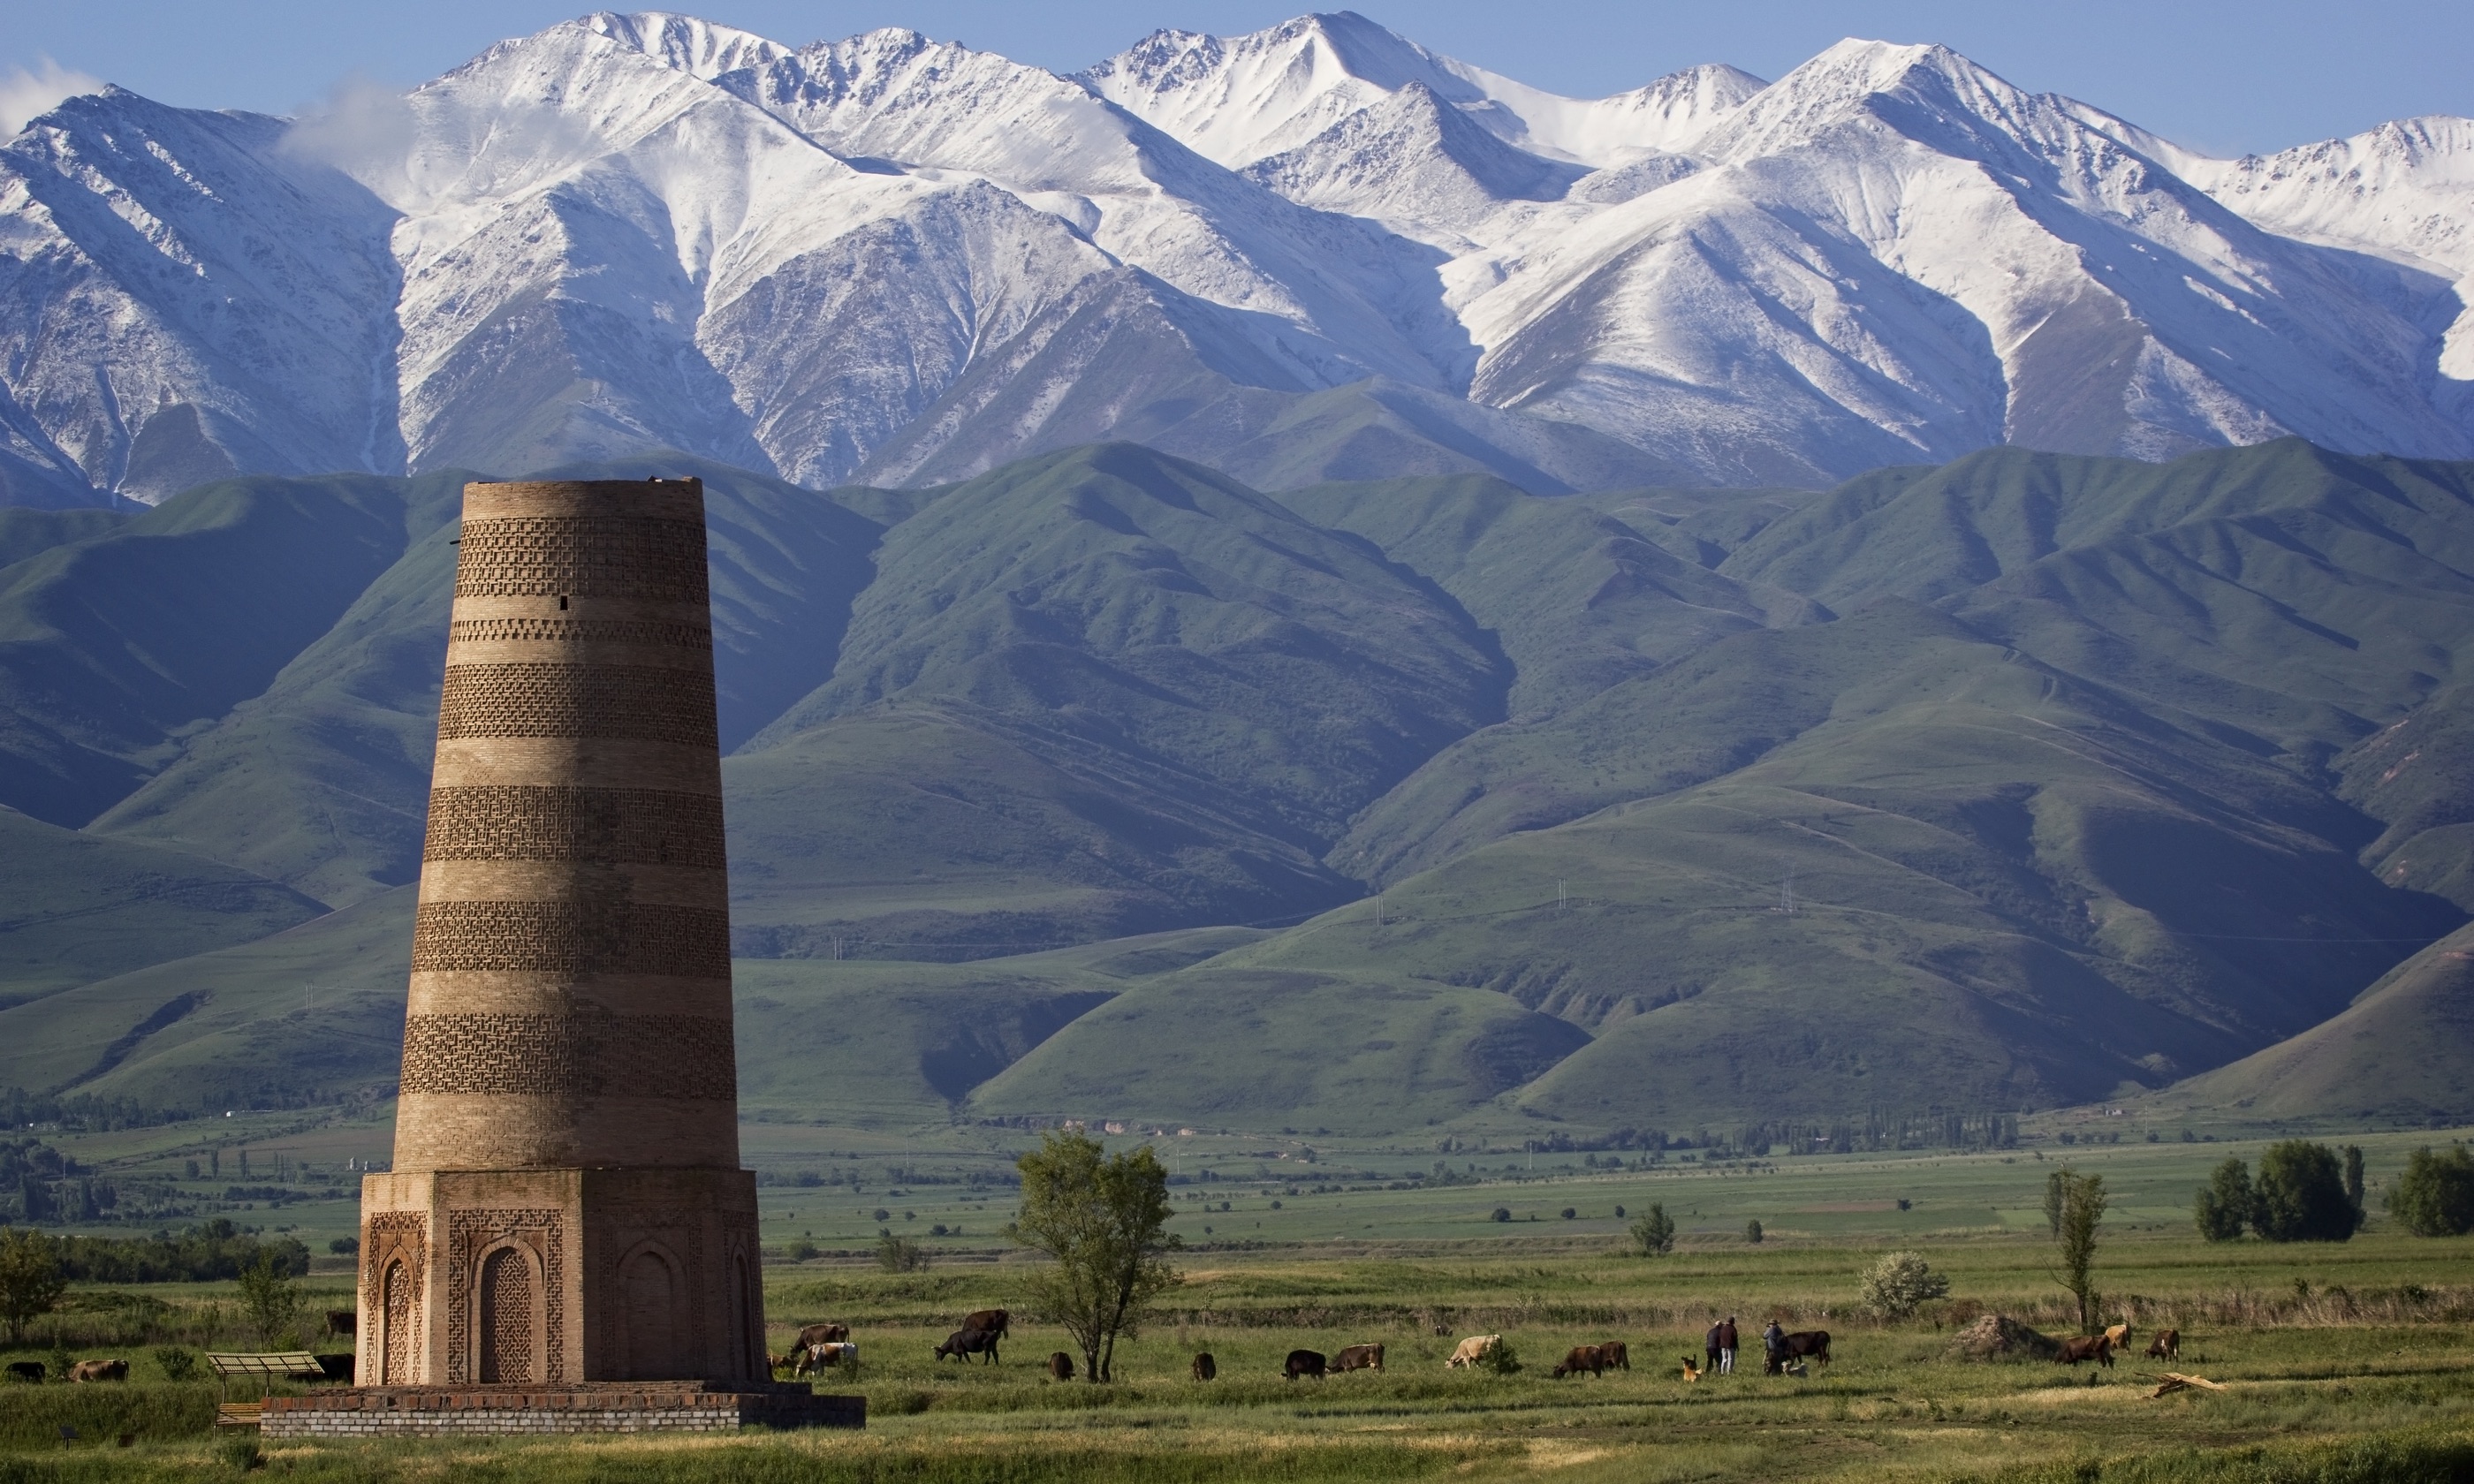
x=2340 y=1361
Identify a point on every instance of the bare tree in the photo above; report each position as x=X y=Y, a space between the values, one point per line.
x=1103 y=1217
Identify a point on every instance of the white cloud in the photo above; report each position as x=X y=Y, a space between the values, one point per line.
x=25 y=96
x=363 y=129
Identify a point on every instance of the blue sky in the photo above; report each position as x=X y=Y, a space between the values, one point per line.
x=2221 y=77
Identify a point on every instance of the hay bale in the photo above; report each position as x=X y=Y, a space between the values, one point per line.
x=2000 y=1338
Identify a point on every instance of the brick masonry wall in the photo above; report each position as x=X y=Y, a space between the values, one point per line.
x=400 y=1412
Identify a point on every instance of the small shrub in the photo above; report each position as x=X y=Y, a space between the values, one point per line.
x=344 y=1246
x=1897 y=1285
x=802 y=1250
x=1501 y=1359
x=179 y=1362
x=1501 y=1213
x=1570 y=1213
x=899 y=1254
x=241 y=1453
x=1753 y=1232
x=1654 y=1233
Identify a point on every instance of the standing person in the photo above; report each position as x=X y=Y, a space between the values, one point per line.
x=1727 y=1347
x=1773 y=1346
x=1712 y=1345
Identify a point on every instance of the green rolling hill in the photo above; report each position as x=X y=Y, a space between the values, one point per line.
x=1101 y=784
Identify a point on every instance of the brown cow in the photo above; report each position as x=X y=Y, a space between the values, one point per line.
x=1306 y=1362
x=992 y=1321
x=1802 y=1343
x=1359 y=1357
x=1584 y=1357
x=833 y=1352
x=2167 y=1346
x=99 y=1370
x=1204 y=1366
x=2093 y=1346
x=1619 y=1357
x=1060 y=1366
x=2118 y=1336
x=773 y=1363
x=342 y=1321
x=826 y=1333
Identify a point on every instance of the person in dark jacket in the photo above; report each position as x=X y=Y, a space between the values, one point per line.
x=1727 y=1347
x=1710 y=1346
x=1773 y=1346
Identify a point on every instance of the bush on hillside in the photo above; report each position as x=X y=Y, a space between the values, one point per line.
x=2435 y=1196
x=1654 y=1233
x=2300 y=1195
x=1897 y=1285
x=2223 y=1204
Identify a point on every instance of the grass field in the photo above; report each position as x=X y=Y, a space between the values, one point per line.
x=2343 y=1362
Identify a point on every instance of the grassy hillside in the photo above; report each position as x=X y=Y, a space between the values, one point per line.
x=2400 y=1053
x=2082 y=775
x=75 y=908
x=1098 y=692
x=112 y=646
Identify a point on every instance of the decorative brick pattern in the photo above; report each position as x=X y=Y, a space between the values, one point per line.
x=468 y=1233
x=393 y=1253
x=506 y=1319
x=582 y=556
x=659 y=1055
x=570 y=938
x=579 y=631
x=641 y=702
x=611 y=826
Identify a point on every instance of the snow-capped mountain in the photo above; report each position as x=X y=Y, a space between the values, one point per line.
x=1317 y=250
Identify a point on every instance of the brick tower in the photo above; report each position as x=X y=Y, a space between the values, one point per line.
x=565 y=1204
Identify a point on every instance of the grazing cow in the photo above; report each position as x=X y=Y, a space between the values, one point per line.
x=963 y=1344
x=1204 y=1366
x=2167 y=1346
x=1691 y=1372
x=1306 y=1362
x=26 y=1371
x=342 y=1321
x=337 y=1367
x=1359 y=1357
x=773 y=1363
x=99 y=1370
x=1474 y=1349
x=2094 y=1347
x=2118 y=1336
x=1814 y=1343
x=1582 y=1358
x=992 y=1320
x=1619 y=1357
x=833 y=1352
x=1060 y=1366
x=826 y=1333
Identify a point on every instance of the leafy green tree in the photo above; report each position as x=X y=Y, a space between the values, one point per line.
x=1897 y=1285
x=898 y=1254
x=269 y=1301
x=2081 y=1201
x=2300 y=1195
x=2223 y=1208
x=1654 y=1233
x=2054 y=1185
x=31 y=1280
x=1104 y=1218
x=2435 y=1196
x=2354 y=1178
x=1753 y=1232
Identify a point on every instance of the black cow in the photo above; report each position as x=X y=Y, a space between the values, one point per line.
x=1814 y=1343
x=963 y=1344
x=1306 y=1362
x=1060 y=1366
x=2095 y=1346
x=1204 y=1366
x=26 y=1371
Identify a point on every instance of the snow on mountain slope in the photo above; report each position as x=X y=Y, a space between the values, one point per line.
x=1294 y=250
x=179 y=299
x=1892 y=254
x=1415 y=164
x=1241 y=99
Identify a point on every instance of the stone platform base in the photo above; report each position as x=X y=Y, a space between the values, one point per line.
x=603 y=1406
